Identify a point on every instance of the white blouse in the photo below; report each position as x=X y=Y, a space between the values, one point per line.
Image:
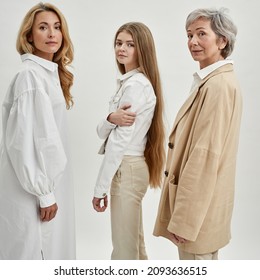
x=35 y=166
x=135 y=89
x=31 y=138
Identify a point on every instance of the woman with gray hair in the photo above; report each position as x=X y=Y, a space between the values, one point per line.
x=198 y=193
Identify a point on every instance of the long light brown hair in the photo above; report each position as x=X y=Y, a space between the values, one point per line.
x=63 y=57
x=146 y=55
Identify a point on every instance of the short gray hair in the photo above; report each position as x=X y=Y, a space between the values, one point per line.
x=221 y=24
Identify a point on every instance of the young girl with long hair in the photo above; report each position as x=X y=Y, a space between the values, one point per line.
x=134 y=148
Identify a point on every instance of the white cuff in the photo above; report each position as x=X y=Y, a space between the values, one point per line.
x=99 y=194
x=47 y=200
x=108 y=124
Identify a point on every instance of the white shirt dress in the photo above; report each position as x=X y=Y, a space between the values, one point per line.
x=34 y=166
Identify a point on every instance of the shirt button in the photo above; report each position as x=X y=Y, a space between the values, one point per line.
x=166 y=173
x=170 y=145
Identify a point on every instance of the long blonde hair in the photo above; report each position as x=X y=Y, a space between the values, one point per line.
x=63 y=57
x=154 y=151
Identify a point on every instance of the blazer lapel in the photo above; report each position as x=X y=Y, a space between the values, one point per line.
x=187 y=104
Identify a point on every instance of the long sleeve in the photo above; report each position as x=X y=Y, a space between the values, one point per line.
x=121 y=138
x=104 y=128
x=34 y=145
x=197 y=182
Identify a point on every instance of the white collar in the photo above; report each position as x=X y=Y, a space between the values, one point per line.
x=128 y=75
x=49 y=65
x=212 y=67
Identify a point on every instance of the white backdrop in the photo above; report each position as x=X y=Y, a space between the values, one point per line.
x=93 y=24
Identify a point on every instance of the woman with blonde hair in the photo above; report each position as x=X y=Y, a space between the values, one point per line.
x=134 y=140
x=34 y=159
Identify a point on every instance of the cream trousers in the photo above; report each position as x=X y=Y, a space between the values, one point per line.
x=189 y=256
x=128 y=188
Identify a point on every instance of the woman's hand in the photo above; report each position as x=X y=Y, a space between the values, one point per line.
x=48 y=213
x=122 y=117
x=100 y=204
x=177 y=239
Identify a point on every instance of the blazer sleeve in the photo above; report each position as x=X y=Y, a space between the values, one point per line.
x=198 y=179
x=34 y=145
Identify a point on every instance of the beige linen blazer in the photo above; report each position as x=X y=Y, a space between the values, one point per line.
x=198 y=192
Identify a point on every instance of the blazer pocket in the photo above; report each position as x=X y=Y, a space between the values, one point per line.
x=168 y=199
x=172 y=193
